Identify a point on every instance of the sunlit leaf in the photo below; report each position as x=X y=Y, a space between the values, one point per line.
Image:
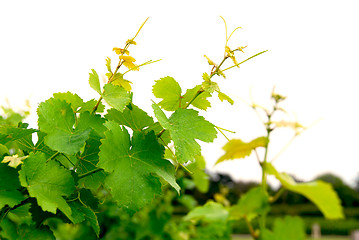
x=206 y=77
x=237 y=149
x=57 y=119
x=210 y=212
x=14 y=160
x=170 y=91
x=108 y=64
x=210 y=62
x=223 y=96
x=116 y=96
x=94 y=81
x=319 y=192
x=185 y=126
x=200 y=101
x=128 y=61
x=210 y=86
x=120 y=81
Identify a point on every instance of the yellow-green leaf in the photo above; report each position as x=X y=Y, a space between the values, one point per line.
x=319 y=192
x=293 y=125
x=120 y=81
x=210 y=62
x=14 y=160
x=236 y=148
x=210 y=86
x=108 y=64
x=223 y=96
x=94 y=81
x=206 y=77
x=128 y=61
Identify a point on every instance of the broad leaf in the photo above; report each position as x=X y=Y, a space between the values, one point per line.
x=3 y=150
x=48 y=182
x=254 y=202
x=81 y=213
x=236 y=148
x=56 y=118
x=9 y=134
x=319 y=192
x=199 y=176
x=170 y=91
x=185 y=126
x=132 y=117
x=93 y=121
x=210 y=212
x=71 y=98
x=9 y=185
x=284 y=229
x=131 y=165
x=116 y=96
x=88 y=162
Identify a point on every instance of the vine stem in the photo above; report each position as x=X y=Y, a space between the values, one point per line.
x=119 y=64
x=90 y=173
x=199 y=92
x=244 y=60
x=250 y=227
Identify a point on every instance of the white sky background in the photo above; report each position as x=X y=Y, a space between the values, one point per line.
x=48 y=47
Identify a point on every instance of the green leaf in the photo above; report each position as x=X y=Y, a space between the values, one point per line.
x=71 y=98
x=9 y=185
x=200 y=102
x=185 y=126
x=199 y=176
x=132 y=117
x=9 y=134
x=56 y=118
x=170 y=91
x=89 y=106
x=88 y=162
x=254 y=202
x=236 y=148
x=163 y=137
x=116 y=96
x=32 y=232
x=94 y=81
x=93 y=121
x=27 y=145
x=82 y=213
x=3 y=150
x=319 y=192
x=210 y=86
x=131 y=165
x=210 y=212
x=10 y=198
x=47 y=182
x=223 y=97
x=287 y=228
